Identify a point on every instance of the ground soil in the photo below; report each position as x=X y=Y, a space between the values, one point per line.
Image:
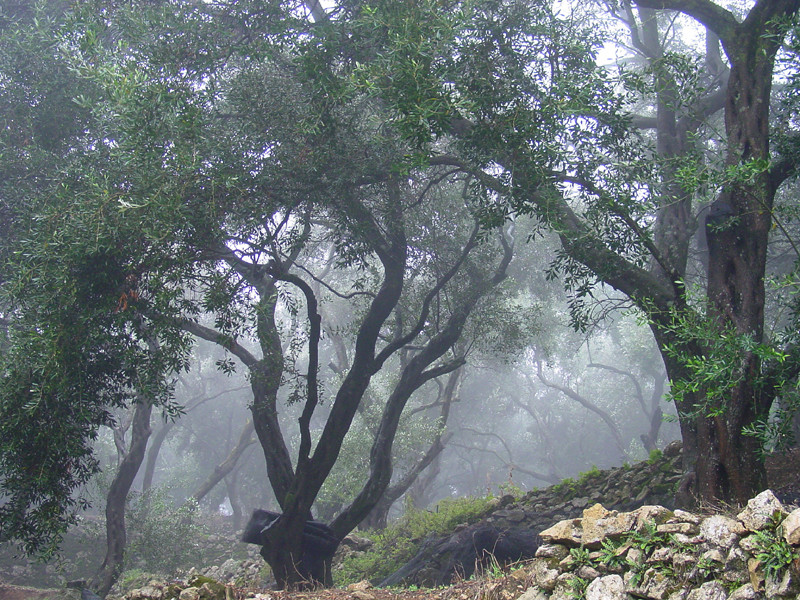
x=15 y=592
x=505 y=587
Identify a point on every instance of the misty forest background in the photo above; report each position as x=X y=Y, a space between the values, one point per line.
x=350 y=258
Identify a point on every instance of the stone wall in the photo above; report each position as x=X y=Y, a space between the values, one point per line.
x=440 y=559
x=660 y=554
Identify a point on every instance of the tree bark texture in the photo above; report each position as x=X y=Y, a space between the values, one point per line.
x=720 y=462
x=116 y=537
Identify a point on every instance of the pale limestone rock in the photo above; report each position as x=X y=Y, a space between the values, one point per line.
x=148 y=592
x=682 y=538
x=598 y=524
x=564 y=532
x=543 y=575
x=634 y=555
x=682 y=516
x=755 y=570
x=586 y=572
x=786 y=586
x=610 y=587
x=711 y=590
x=564 y=590
x=646 y=514
x=688 y=529
x=533 y=593
x=749 y=544
x=759 y=511
x=660 y=555
x=190 y=593
x=746 y=592
x=735 y=562
x=791 y=528
x=556 y=551
x=592 y=529
x=683 y=561
x=678 y=595
x=721 y=531
x=655 y=585
x=714 y=555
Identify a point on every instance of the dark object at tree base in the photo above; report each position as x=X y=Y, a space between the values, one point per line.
x=319 y=544
x=464 y=551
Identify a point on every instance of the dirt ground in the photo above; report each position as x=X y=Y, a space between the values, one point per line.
x=505 y=588
x=500 y=588
x=15 y=592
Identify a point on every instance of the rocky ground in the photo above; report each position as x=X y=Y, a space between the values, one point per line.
x=556 y=503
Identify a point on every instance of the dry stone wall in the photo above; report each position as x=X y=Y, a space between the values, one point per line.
x=659 y=554
x=441 y=559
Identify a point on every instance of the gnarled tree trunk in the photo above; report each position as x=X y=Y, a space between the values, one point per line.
x=116 y=536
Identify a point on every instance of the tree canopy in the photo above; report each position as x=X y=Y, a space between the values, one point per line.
x=183 y=170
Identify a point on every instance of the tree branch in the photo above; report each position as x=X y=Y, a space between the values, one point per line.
x=717 y=19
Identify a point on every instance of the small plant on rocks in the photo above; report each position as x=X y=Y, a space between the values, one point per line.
x=773 y=550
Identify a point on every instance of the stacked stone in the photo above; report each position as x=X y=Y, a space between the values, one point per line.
x=659 y=554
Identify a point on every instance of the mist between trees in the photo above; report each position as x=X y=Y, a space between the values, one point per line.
x=371 y=251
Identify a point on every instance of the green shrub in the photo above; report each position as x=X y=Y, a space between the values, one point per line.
x=773 y=550
x=398 y=543
x=655 y=456
x=163 y=538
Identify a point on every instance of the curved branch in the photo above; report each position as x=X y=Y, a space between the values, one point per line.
x=717 y=19
x=314 y=334
x=395 y=345
x=212 y=335
x=629 y=375
x=587 y=404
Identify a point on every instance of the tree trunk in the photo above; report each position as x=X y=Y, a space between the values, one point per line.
x=152 y=455
x=116 y=538
x=236 y=504
x=379 y=515
x=227 y=465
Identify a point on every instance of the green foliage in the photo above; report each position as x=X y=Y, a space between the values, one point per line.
x=398 y=543
x=133 y=578
x=648 y=538
x=589 y=475
x=655 y=456
x=711 y=355
x=577 y=587
x=162 y=537
x=774 y=551
x=566 y=486
x=610 y=555
x=492 y=570
x=580 y=556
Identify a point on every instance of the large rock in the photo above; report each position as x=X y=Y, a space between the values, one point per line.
x=791 y=528
x=721 y=530
x=564 y=532
x=533 y=593
x=610 y=587
x=746 y=592
x=760 y=511
x=711 y=590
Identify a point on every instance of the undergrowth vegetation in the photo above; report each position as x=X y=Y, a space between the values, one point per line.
x=400 y=541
